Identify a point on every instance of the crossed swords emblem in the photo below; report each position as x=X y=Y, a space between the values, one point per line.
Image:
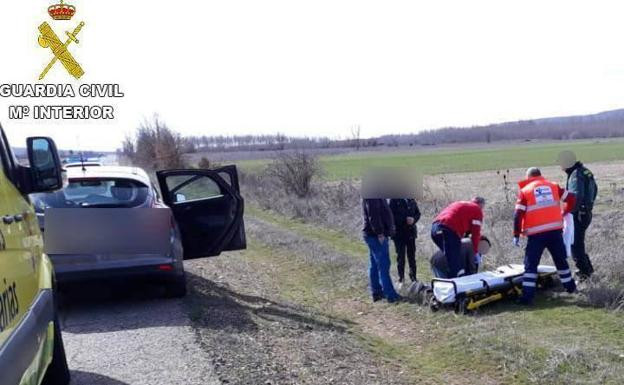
x=49 y=39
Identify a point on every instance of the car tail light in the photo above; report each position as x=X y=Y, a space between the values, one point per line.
x=165 y=267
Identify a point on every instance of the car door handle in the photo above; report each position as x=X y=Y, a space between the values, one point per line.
x=18 y=217
x=8 y=219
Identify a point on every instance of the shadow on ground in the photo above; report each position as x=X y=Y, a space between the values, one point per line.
x=86 y=378
x=108 y=306
x=216 y=306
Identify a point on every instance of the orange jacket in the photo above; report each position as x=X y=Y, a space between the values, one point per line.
x=538 y=208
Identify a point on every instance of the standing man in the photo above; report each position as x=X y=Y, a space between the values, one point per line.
x=378 y=227
x=581 y=182
x=451 y=225
x=538 y=216
x=406 y=214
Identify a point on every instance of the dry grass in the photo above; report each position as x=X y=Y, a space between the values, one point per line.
x=336 y=205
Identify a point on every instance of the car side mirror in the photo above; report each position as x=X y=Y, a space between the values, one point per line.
x=45 y=165
x=180 y=198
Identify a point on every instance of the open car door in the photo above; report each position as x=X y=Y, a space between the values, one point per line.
x=207 y=207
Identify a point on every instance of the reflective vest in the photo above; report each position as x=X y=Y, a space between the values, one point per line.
x=543 y=206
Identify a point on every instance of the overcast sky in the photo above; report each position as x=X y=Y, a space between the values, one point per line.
x=318 y=67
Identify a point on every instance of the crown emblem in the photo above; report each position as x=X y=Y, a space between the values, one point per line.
x=61 y=11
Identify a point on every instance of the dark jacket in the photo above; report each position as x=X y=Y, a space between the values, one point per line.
x=581 y=183
x=378 y=218
x=467 y=258
x=401 y=209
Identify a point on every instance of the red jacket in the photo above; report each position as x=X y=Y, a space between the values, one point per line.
x=463 y=217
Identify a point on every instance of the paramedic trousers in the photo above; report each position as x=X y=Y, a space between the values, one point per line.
x=581 y=259
x=553 y=241
x=450 y=244
x=406 y=247
x=379 y=268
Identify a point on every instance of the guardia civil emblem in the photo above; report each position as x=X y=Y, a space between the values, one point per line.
x=59 y=49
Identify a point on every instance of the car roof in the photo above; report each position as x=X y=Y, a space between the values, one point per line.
x=125 y=172
x=80 y=164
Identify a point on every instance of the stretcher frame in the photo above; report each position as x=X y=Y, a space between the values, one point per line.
x=471 y=300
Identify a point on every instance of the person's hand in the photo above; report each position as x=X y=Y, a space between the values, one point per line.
x=477 y=258
x=516 y=241
x=381 y=238
x=410 y=220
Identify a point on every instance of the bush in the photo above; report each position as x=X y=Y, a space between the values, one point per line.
x=295 y=171
x=154 y=147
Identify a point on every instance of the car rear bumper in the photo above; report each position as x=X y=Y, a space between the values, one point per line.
x=72 y=267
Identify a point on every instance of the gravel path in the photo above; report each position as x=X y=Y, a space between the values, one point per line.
x=144 y=339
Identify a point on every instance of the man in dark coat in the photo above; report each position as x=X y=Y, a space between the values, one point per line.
x=581 y=183
x=378 y=227
x=406 y=214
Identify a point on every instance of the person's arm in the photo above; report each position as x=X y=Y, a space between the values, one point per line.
x=576 y=187
x=416 y=212
x=569 y=198
x=475 y=230
x=388 y=219
x=374 y=216
x=521 y=206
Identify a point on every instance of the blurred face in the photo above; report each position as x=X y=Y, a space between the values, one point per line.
x=566 y=159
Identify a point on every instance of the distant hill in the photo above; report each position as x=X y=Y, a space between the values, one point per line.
x=606 y=124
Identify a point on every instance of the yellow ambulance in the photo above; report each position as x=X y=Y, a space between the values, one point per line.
x=31 y=347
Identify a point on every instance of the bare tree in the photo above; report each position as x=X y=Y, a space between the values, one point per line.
x=295 y=170
x=155 y=146
x=355 y=134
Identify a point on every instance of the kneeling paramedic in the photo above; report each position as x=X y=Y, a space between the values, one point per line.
x=456 y=220
x=470 y=261
x=538 y=215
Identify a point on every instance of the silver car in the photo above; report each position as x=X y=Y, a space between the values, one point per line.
x=110 y=222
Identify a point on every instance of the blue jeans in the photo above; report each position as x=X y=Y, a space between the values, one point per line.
x=379 y=268
x=553 y=241
x=450 y=244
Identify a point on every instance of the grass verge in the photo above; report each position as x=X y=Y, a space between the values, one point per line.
x=557 y=342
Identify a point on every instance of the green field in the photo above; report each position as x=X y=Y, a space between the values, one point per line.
x=447 y=160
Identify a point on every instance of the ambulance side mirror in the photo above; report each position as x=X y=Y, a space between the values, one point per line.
x=45 y=165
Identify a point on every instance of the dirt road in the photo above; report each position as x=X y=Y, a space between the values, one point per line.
x=131 y=336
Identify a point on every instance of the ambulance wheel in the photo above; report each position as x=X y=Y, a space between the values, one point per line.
x=58 y=371
x=461 y=306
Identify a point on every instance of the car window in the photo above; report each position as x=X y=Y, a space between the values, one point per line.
x=94 y=192
x=186 y=188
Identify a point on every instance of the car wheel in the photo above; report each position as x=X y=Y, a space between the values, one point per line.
x=177 y=288
x=58 y=371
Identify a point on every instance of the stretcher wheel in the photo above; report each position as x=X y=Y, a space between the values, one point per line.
x=461 y=306
x=548 y=282
x=434 y=304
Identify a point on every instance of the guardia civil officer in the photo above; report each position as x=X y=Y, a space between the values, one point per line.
x=580 y=182
x=539 y=216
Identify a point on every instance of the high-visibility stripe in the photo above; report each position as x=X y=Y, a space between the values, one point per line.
x=565 y=195
x=529 y=284
x=566 y=271
x=545 y=227
x=541 y=206
x=530 y=275
x=476 y=222
x=521 y=207
x=566 y=280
